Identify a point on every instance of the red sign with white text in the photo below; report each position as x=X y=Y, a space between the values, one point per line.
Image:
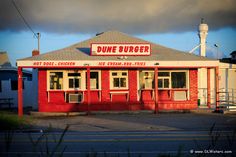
x=121 y=49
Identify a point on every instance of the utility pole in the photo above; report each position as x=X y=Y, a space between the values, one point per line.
x=38 y=37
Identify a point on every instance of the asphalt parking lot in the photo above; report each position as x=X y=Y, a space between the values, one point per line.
x=140 y=122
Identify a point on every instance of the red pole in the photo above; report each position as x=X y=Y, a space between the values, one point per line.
x=156 y=89
x=208 y=87
x=20 y=93
x=217 y=87
x=88 y=89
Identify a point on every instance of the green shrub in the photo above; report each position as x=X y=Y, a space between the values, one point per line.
x=11 y=121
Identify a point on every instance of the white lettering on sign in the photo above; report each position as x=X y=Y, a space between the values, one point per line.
x=121 y=49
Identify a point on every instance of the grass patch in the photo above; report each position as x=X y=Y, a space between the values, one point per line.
x=11 y=121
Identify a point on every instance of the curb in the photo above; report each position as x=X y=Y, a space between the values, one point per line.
x=67 y=114
x=56 y=114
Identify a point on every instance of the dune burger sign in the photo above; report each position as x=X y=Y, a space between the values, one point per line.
x=125 y=49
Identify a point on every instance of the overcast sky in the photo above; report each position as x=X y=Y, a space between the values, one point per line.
x=143 y=18
x=130 y=16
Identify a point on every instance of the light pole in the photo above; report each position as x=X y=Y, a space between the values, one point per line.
x=217 y=48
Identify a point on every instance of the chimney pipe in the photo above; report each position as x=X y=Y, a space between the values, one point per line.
x=35 y=52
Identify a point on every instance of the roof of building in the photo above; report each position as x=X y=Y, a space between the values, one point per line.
x=4 y=60
x=228 y=60
x=233 y=53
x=81 y=51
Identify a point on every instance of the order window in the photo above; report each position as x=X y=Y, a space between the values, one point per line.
x=163 y=80
x=119 y=79
x=74 y=80
x=56 y=80
x=171 y=80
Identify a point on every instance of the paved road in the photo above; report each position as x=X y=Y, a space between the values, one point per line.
x=123 y=143
x=129 y=135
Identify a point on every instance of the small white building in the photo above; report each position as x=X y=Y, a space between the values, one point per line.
x=9 y=84
x=227 y=77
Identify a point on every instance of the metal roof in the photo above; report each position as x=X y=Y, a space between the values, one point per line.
x=81 y=51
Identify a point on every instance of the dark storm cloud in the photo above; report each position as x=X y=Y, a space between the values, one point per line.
x=131 y=16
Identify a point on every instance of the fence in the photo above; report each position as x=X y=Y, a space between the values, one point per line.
x=227 y=97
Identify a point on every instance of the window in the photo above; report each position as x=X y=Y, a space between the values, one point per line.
x=14 y=85
x=163 y=80
x=178 y=79
x=119 y=79
x=56 y=80
x=94 y=80
x=74 y=80
x=146 y=80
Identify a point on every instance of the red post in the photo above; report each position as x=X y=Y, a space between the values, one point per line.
x=88 y=90
x=217 y=87
x=20 y=92
x=209 y=87
x=156 y=89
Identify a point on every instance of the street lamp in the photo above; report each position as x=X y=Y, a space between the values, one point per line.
x=217 y=47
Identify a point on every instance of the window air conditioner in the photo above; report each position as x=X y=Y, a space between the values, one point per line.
x=75 y=98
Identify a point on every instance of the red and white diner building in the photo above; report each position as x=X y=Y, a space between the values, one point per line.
x=117 y=72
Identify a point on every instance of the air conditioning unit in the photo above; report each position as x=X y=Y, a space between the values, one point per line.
x=75 y=98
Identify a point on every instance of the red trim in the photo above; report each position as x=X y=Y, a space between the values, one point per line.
x=217 y=87
x=156 y=89
x=119 y=67
x=120 y=44
x=88 y=89
x=20 y=93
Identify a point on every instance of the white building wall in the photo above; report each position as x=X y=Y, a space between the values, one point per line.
x=28 y=93
x=7 y=92
x=35 y=88
x=227 y=84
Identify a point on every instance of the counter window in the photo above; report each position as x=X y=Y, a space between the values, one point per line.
x=163 y=83
x=119 y=80
x=56 y=80
x=74 y=80
x=177 y=79
x=163 y=80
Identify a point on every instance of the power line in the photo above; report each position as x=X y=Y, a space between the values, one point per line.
x=26 y=23
x=37 y=35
